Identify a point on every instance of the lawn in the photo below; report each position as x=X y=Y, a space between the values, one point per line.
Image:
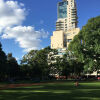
x=53 y=91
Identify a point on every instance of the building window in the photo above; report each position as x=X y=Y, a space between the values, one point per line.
x=62 y=10
x=73 y=32
x=67 y=2
x=69 y=40
x=65 y=44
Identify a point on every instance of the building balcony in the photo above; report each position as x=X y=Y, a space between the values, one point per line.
x=73 y=11
x=59 y=22
x=74 y=15
x=59 y=26
x=73 y=20
x=59 y=29
x=73 y=8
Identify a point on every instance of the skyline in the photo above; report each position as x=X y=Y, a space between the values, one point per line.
x=38 y=17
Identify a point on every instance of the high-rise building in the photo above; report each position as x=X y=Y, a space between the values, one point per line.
x=66 y=15
x=66 y=25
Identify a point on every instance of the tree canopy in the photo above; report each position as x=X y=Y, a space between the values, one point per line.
x=86 y=45
x=3 y=60
x=36 y=61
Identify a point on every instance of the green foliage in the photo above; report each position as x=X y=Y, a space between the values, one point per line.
x=3 y=64
x=29 y=57
x=86 y=45
x=36 y=62
x=8 y=66
x=13 y=67
x=3 y=57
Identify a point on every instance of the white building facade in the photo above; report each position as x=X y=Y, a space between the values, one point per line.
x=66 y=25
x=66 y=15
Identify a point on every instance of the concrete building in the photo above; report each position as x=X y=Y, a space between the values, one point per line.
x=66 y=29
x=66 y=15
x=57 y=40
x=70 y=35
x=61 y=39
x=66 y=25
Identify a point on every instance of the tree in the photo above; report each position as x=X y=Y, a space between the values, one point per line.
x=37 y=62
x=13 y=67
x=42 y=61
x=29 y=57
x=3 y=60
x=59 y=64
x=86 y=45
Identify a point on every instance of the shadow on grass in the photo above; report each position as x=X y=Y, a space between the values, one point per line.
x=54 y=91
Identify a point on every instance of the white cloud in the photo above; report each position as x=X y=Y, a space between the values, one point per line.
x=27 y=37
x=17 y=58
x=11 y=13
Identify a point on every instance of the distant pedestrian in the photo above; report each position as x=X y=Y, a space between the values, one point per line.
x=76 y=83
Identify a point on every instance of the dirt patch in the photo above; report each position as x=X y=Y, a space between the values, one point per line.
x=2 y=87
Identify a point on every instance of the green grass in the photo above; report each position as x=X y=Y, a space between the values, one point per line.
x=54 y=91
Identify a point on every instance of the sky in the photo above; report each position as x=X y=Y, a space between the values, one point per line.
x=28 y=24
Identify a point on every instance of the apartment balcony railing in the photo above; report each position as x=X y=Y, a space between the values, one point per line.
x=73 y=20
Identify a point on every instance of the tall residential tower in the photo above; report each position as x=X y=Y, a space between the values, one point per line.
x=67 y=15
x=66 y=25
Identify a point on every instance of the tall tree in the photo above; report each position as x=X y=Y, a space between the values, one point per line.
x=37 y=62
x=42 y=61
x=86 y=45
x=13 y=67
x=3 y=60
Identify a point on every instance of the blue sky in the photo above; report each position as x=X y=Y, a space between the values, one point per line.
x=40 y=15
